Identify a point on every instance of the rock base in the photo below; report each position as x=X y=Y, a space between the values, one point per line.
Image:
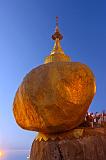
x=92 y=146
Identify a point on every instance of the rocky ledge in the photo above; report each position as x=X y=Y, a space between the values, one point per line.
x=89 y=145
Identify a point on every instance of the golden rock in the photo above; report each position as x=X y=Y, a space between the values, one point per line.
x=55 y=96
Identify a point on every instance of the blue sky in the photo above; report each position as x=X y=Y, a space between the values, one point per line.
x=25 y=39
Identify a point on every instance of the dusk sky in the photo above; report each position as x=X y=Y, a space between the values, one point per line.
x=26 y=27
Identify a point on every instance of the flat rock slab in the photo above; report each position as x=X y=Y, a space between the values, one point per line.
x=89 y=147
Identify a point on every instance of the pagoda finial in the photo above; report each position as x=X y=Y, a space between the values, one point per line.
x=57 y=34
x=57 y=18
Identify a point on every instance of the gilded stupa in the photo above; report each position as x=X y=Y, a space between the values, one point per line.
x=55 y=96
x=57 y=54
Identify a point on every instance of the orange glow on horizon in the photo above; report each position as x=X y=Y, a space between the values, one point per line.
x=1 y=153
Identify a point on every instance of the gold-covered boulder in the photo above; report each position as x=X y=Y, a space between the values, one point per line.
x=54 y=97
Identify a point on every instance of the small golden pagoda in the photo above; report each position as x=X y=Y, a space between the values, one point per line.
x=57 y=54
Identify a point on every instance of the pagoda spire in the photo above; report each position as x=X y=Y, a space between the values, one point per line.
x=57 y=33
x=57 y=54
x=57 y=36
